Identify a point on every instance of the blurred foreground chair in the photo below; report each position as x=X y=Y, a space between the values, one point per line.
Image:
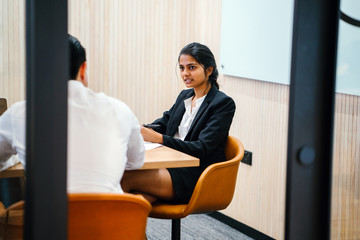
x=90 y=216
x=107 y=216
x=213 y=191
x=11 y=221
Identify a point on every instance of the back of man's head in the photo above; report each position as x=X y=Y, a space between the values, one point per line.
x=77 y=56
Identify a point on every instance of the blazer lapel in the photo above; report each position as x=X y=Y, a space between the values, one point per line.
x=178 y=115
x=211 y=94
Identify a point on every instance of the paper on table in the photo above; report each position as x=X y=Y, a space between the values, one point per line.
x=13 y=160
x=150 y=145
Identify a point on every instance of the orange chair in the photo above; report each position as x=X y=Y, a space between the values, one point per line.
x=213 y=191
x=107 y=216
x=11 y=221
x=90 y=216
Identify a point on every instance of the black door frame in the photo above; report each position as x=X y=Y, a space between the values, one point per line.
x=46 y=121
x=311 y=119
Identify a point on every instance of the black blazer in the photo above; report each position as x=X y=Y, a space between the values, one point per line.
x=208 y=133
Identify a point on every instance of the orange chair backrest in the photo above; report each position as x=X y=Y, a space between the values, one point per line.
x=90 y=216
x=12 y=221
x=107 y=216
x=216 y=185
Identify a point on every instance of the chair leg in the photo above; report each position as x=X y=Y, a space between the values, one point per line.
x=175 y=229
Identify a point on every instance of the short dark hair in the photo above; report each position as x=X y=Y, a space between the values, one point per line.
x=203 y=56
x=77 y=56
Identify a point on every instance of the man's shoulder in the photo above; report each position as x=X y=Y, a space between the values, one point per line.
x=114 y=105
x=113 y=102
x=96 y=100
x=18 y=109
x=20 y=104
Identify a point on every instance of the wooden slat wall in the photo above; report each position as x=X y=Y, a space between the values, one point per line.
x=346 y=169
x=132 y=48
x=12 y=50
x=260 y=122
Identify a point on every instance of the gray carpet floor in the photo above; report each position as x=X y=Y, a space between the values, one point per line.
x=197 y=226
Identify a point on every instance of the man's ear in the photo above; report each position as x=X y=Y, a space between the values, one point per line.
x=81 y=75
x=82 y=71
x=209 y=71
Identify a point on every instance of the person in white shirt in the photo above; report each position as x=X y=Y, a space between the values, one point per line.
x=104 y=136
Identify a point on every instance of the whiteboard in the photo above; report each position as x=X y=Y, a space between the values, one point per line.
x=348 y=61
x=256 y=38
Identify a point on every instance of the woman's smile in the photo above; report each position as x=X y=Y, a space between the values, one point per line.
x=187 y=81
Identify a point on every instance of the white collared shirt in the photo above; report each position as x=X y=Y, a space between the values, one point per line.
x=188 y=117
x=103 y=140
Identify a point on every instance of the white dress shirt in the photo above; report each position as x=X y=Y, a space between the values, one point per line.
x=103 y=140
x=188 y=117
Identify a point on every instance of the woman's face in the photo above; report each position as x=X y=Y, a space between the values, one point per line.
x=192 y=73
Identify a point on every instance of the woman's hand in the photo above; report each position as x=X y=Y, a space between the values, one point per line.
x=150 y=135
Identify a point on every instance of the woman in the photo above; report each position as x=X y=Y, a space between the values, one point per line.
x=197 y=124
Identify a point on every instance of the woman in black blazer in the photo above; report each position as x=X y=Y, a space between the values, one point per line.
x=197 y=124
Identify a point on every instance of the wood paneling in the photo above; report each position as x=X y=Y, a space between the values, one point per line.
x=12 y=50
x=132 y=49
x=133 y=46
x=346 y=169
x=260 y=122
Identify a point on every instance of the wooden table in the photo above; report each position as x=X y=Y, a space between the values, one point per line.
x=161 y=157
x=15 y=171
x=165 y=157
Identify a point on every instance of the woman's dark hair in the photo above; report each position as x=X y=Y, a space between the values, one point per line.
x=77 y=56
x=203 y=56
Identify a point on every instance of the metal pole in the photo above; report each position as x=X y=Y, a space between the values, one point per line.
x=46 y=121
x=311 y=117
